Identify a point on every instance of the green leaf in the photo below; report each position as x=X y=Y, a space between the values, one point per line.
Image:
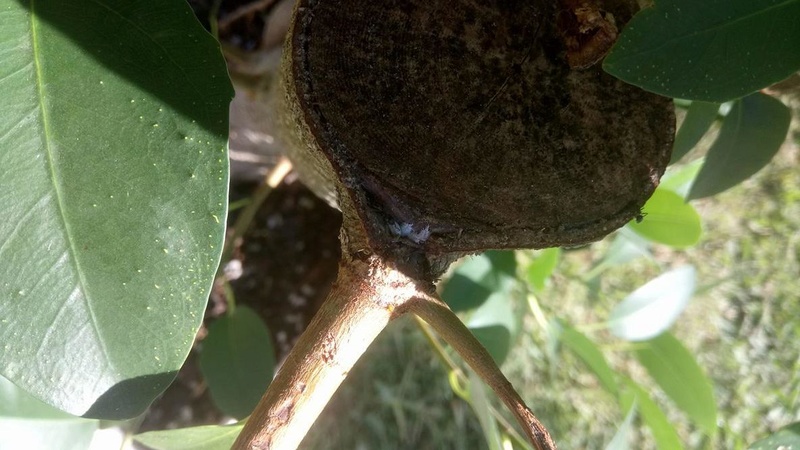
x=238 y=361
x=667 y=219
x=26 y=422
x=113 y=128
x=496 y=339
x=494 y=324
x=590 y=354
x=482 y=284
x=480 y=404
x=663 y=432
x=476 y=278
x=211 y=437
x=652 y=308
x=712 y=50
x=540 y=270
x=787 y=437
x=751 y=134
x=626 y=247
x=621 y=438
x=695 y=125
x=464 y=290
x=679 y=178
x=675 y=370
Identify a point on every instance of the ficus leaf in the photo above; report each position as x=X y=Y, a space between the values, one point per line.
x=652 y=308
x=787 y=437
x=695 y=125
x=113 y=192
x=28 y=423
x=210 y=437
x=712 y=50
x=667 y=219
x=663 y=432
x=675 y=370
x=751 y=134
x=590 y=354
x=542 y=267
x=237 y=361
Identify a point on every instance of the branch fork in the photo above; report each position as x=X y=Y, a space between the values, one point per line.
x=367 y=295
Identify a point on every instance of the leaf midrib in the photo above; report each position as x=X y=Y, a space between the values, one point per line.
x=54 y=179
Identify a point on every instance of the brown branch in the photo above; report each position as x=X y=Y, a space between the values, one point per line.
x=439 y=316
x=366 y=296
x=242 y=11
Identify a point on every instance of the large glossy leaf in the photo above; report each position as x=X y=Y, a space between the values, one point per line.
x=652 y=308
x=238 y=361
x=663 y=432
x=668 y=219
x=787 y=437
x=27 y=423
x=113 y=124
x=695 y=125
x=587 y=351
x=675 y=370
x=751 y=134
x=211 y=437
x=711 y=50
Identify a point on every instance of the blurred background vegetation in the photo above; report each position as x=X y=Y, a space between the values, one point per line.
x=741 y=325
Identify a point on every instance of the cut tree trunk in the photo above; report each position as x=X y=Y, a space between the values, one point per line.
x=441 y=128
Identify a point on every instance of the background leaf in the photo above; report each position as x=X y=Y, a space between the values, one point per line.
x=238 y=361
x=675 y=370
x=211 y=437
x=663 y=432
x=667 y=219
x=588 y=352
x=28 y=423
x=652 y=308
x=495 y=325
x=751 y=134
x=695 y=125
x=480 y=404
x=470 y=285
x=712 y=50
x=679 y=179
x=787 y=437
x=483 y=285
x=621 y=438
x=542 y=267
x=113 y=192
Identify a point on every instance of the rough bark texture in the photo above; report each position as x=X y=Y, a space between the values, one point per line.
x=464 y=119
x=366 y=296
x=443 y=127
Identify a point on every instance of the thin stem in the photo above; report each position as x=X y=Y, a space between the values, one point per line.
x=536 y=309
x=448 y=362
x=367 y=295
x=213 y=19
x=242 y=11
x=230 y=297
x=436 y=313
x=271 y=181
